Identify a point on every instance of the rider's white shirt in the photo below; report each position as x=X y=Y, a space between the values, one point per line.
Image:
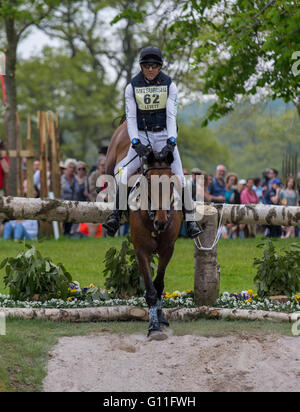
x=131 y=112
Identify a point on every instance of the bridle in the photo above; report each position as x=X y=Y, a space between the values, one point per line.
x=152 y=213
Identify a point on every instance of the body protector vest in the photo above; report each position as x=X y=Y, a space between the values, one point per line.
x=151 y=100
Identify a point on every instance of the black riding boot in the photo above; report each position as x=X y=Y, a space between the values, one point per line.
x=193 y=230
x=112 y=222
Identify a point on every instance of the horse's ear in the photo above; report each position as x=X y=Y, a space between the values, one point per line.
x=150 y=158
x=170 y=158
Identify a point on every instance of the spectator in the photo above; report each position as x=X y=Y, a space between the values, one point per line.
x=271 y=198
x=231 y=181
x=258 y=189
x=37 y=175
x=62 y=167
x=101 y=156
x=21 y=229
x=4 y=167
x=289 y=196
x=210 y=179
x=218 y=187
x=238 y=230
x=238 y=192
x=36 y=165
x=92 y=227
x=94 y=177
x=83 y=183
x=202 y=192
x=248 y=196
x=69 y=189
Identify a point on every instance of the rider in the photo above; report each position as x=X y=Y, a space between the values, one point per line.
x=151 y=110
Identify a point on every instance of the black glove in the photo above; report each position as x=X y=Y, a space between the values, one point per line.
x=169 y=148
x=141 y=149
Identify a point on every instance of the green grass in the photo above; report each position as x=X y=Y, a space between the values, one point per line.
x=24 y=350
x=83 y=258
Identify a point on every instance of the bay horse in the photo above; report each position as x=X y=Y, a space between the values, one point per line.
x=152 y=231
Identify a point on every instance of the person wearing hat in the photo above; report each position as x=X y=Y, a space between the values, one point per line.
x=151 y=111
x=4 y=167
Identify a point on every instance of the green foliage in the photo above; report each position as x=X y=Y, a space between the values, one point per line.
x=85 y=102
x=129 y=14
x=199 y=147
x=258 y=136
x=278 y=274
x=242 y=46
x=30 y=274
x=121 y=271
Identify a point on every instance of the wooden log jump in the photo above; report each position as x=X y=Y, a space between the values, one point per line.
x=70 y=211
x=206 y=268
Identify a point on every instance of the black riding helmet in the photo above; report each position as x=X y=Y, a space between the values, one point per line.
x=151 y=54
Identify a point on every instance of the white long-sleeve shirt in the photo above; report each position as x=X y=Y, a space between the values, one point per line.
x=131 y=112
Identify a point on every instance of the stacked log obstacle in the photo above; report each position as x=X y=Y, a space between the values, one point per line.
x=125 y=313
x=206 y=273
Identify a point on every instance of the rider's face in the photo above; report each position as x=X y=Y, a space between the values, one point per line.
x=150 y=70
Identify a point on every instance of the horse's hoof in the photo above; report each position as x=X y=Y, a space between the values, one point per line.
x=157 y=335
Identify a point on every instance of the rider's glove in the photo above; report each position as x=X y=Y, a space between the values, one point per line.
x=141 y=149
x=170 y=146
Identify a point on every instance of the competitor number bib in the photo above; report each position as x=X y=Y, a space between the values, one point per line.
x=151 y=98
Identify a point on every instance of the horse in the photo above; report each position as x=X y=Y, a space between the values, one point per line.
x=152 y=231
x=155 y=231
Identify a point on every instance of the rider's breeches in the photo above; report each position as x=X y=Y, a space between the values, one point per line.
x=158 y=141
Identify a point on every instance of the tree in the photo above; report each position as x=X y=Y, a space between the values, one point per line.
x=113 y=33
x=243 y=46
x=258 y=136
x=16 y=17
x=72 y=88
x=200 y=148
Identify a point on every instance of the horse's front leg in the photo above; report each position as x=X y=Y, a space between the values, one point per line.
x=154 y=330
x=164 y=259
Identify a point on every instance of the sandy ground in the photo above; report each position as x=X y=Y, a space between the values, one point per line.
x=131 y=363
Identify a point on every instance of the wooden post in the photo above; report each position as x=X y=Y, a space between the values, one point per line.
x=29 y=161
x=20 y=191
x=206 y=268
x=54 y=162
x=45 y=227
x=43 y=154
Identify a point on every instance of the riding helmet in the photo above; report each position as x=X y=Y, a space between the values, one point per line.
x=151 y=54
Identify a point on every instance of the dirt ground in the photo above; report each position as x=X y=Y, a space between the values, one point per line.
x=130 y=363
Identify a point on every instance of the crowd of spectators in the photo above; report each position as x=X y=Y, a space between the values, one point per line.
x=269 y=190
x=79 y=183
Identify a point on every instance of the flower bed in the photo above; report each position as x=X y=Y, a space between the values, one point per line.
x=92 y=296
x=249 y=300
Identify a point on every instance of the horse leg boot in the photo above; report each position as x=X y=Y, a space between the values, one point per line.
x=193 y=230
x=112 y=222
x=154 y=331
x=162 y=321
